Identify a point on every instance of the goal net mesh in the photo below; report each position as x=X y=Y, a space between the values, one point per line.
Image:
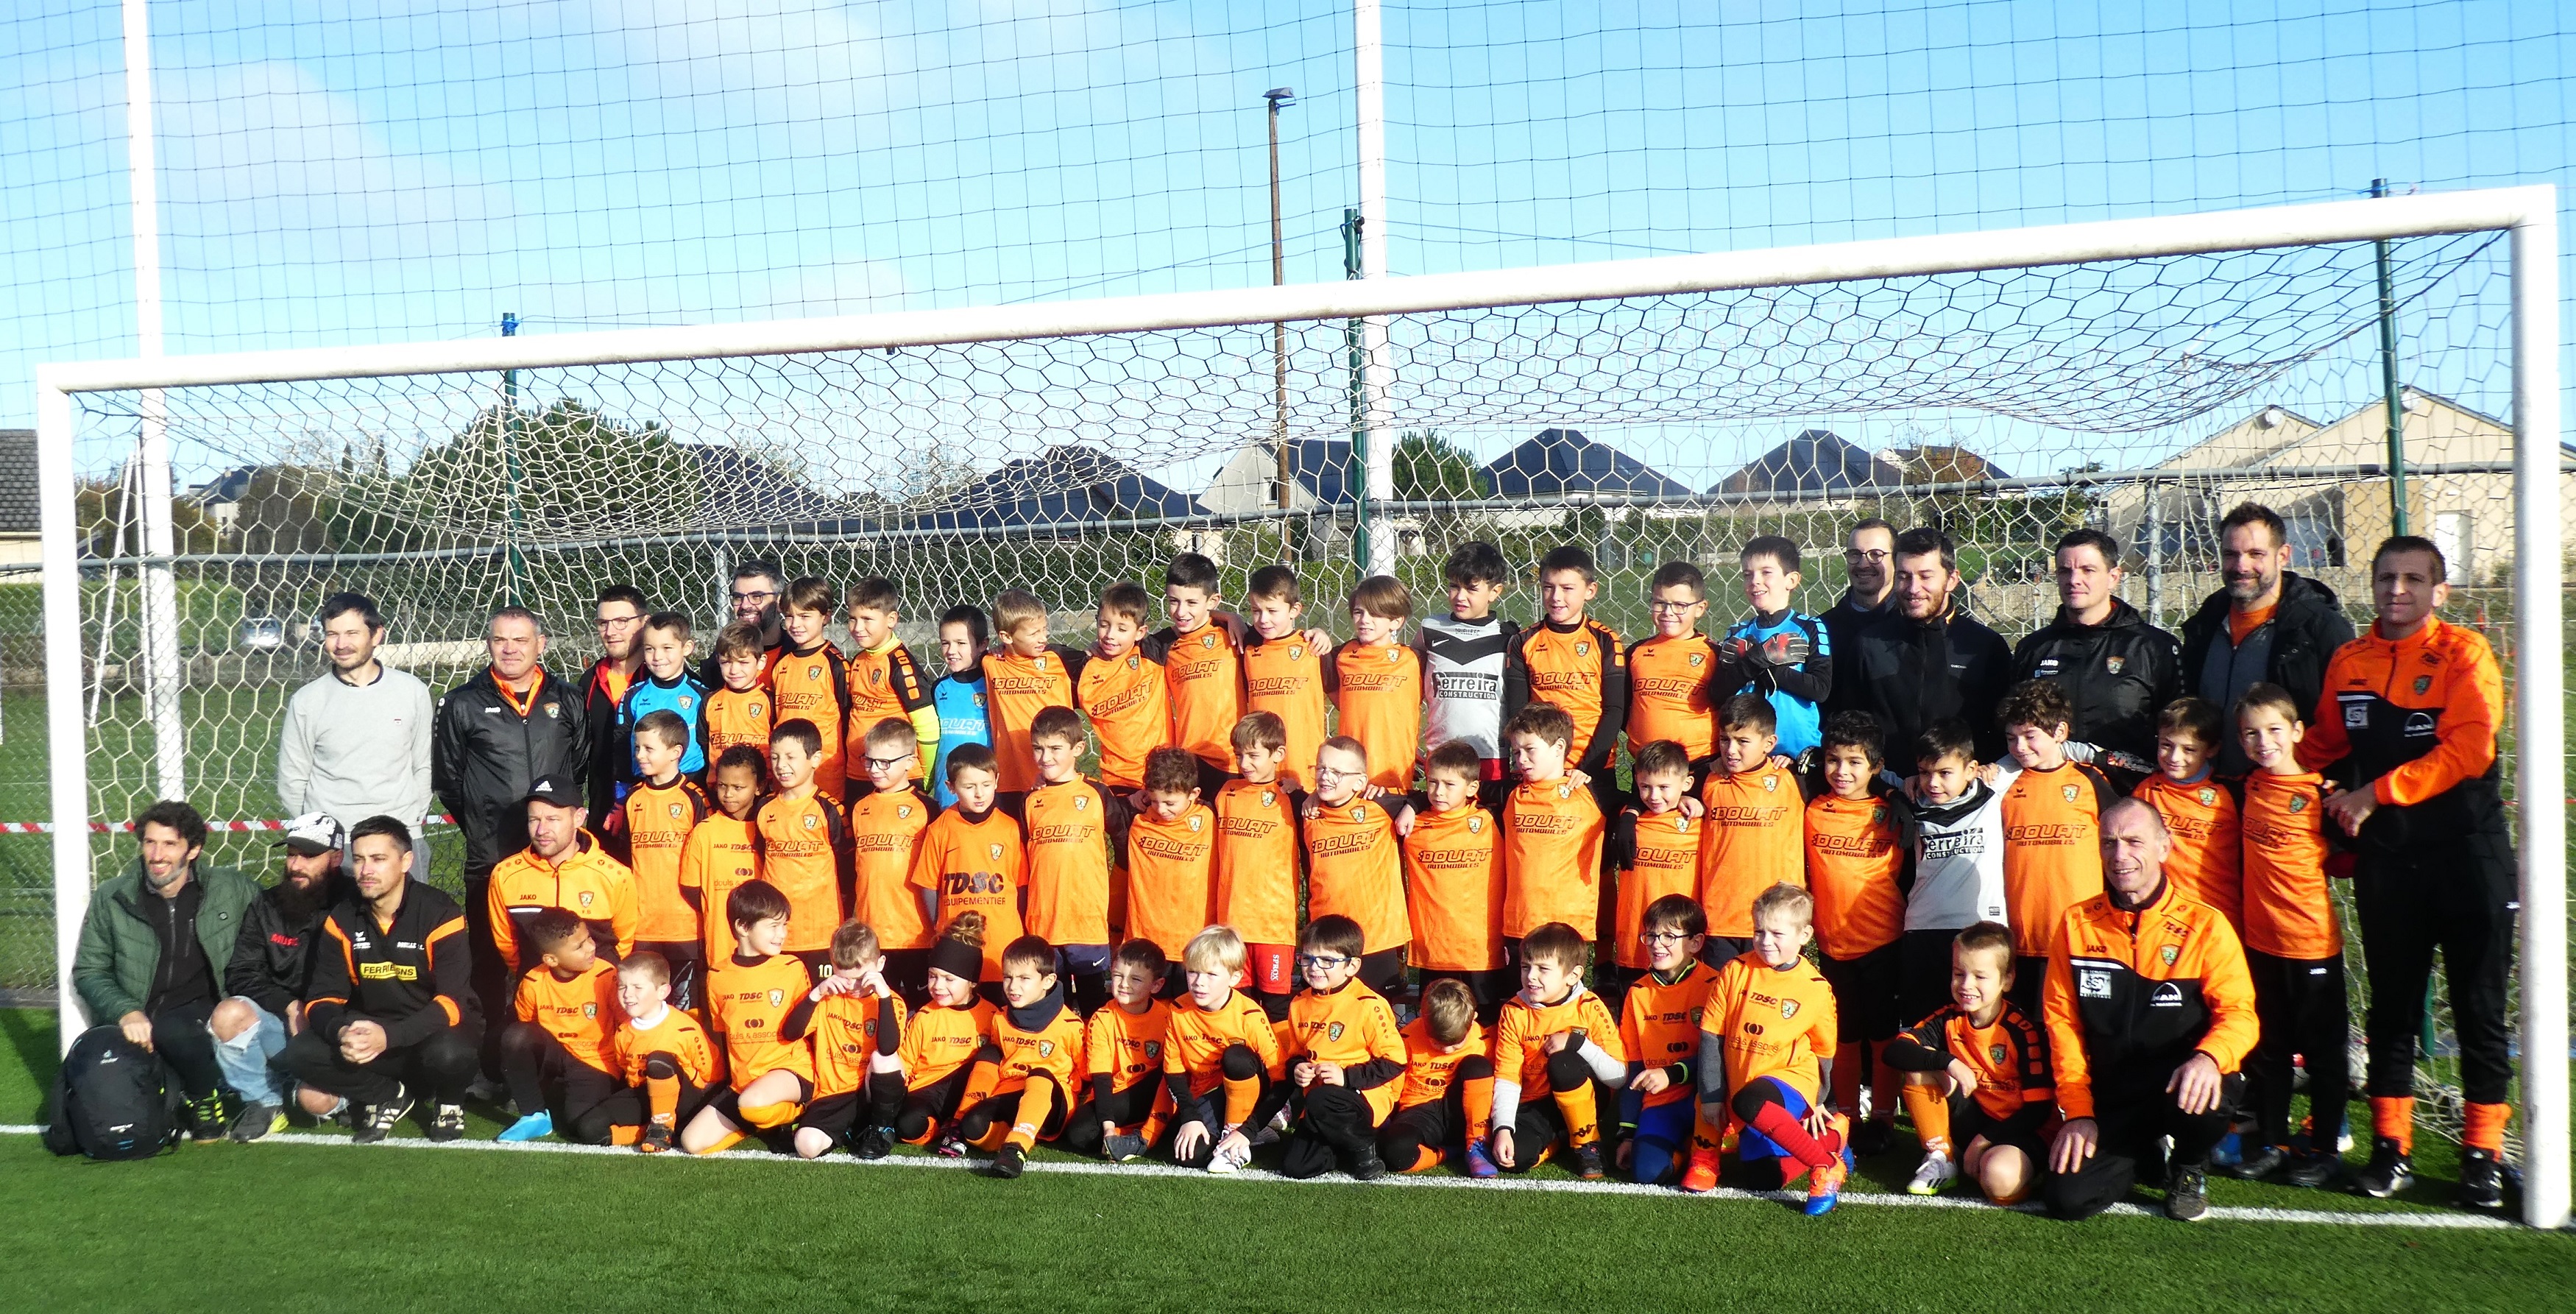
x=2143 y=397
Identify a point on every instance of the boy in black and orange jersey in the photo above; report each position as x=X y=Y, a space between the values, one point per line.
x=661 y=811
x=1654 y=851
x=1074 y=830
x=723 y=851
x=555 y=1057
x=1576 y=663
x=1023 y=676
x=1985 y=1063
x=885 y=681
x=2202 y=813
x=739 y=713
x=941 y=1041
x=2293 y=944
x=664 y=1058
x=1169 y=852
x=971 y=858
x=1672 y=673
x=1203 y=663
x=1346 y=1057
x=1124 y=690
x=1755 y=807
x=803 y=841
x=1553 y=831
x=1557 y=1055
x=1376 y=682
x=1125 y=1106
x=1858 y=866
x=855 y=1021
x=2052 y=815
x=748 y=995
x=1766 y=1052
x=1283 y=670
x=1446 y=1103
x=1659 y=1122
x=1220 y=1059
x=1259 y=851
x=811 y=682
x=1355 y=862
x=1453 y=881
x=1035 y=1051
x=888 y=812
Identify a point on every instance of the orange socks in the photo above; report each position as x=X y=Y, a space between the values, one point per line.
x=625 y=1135
x=2484 y=1128
x=2393 y=1116
x=1036 y=1103
x=1931 y=1114
x=726 y=1142
x=662 y=1096
x=1479 y=1099
x=1427 y=1158
x=1582 y=1123
x=1241 y=1095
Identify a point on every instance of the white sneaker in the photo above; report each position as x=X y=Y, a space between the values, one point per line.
x=1934 y=1176
x=1226 y=1161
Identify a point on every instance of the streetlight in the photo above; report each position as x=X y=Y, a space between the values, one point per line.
x=1277 y=97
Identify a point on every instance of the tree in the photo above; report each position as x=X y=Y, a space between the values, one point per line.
x=1430 y=468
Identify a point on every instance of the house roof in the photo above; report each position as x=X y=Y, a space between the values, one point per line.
x=1816 y=461
x=1061 y=485
x=19 y=510
x=1323 y=466
x=228 y=486
x=1561 y=461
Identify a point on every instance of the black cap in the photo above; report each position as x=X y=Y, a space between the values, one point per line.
x=549 y=789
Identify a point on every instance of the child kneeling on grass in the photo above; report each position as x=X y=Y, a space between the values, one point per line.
x=1766 y=1053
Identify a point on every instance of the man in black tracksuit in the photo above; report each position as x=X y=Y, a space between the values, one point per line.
x=1926 y=659
x=2267 y=625
x=390 y=1016
x=497 y=734
x=2118 y=670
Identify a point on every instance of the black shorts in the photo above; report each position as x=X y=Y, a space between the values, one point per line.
x=1489 y=988
x=1723 y=949
x=1864 y=993
x=833 y=1115
x=1922 y=974
x=2025 y=1131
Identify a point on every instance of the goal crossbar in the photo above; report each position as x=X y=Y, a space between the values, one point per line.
x=2527 y=214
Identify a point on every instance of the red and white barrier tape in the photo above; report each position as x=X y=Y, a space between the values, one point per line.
x=231 y=827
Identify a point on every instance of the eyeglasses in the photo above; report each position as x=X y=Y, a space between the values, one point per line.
x=1662 y=937
x=1855 y=554
x=753 y=597
x=887 y=763
x=1328 y=962
x=1660 y=607
x=1324 y=773
x=618 y=622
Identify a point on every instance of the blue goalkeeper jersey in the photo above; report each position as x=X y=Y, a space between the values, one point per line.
x=959 y=699
x=1793 y=686
x=684 y=697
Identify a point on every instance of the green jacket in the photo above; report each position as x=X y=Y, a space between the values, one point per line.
x=112 y=971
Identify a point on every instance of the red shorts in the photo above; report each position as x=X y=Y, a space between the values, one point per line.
x=1270 y=969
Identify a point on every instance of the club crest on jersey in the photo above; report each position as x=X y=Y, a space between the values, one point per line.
x=903 y=812
x=1358 y=813
x=1583 y=650
x=876 y=677
x=2169 y=953
x=2208 y=797
x=1770 y=784
x=687 y=702
x=2423 y=684
x=995 y=850
x=1046 y=1049
x=1565 y=791
x=1081 y=801
x=2068 y=791
x=1196 y=823
x=1333 y=1031
x=1698 y=657
x=1134 y=662
x=675 y=809
x=1154 y=1050
x=1475 y=825
x=550 y=709
x=1788 y=1009
x=2113 y=664
x=777 y=997
x=1393 y=653
x=811 y=821
x=584 y=896
x=1207 y=641
x=2298 y=804
x=590 y=1010
x=1296 y=651
x=1270 y=798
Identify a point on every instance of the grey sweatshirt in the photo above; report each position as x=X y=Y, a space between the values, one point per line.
x=357 y=751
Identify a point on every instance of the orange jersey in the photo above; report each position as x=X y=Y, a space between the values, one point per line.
x=2208 y=840
x=975 y=864
x=1669 y=683
x=587 y=883
x=659 y=821
x=1655 y=856
x=2010 y=1057
x=721 y=854
x=1757 y=833
x=1170 y=877
x=804 y=846
x=732 y=718
x=1771 y=1023
x=885 y=826
x=746 y=1004
x=1206 y=673
x=1453 y=889
x=1355 y=867
x=2288 y=912
x=1256 y=861
x=2052 y=849
x=1126 y=1047
x=939 y=1040
x=2154 y=985
x=1053 y=1047
x=1520 y=1037
x=1583 y=669
x=815 y=686
x=886 y=685
x=1016 y=689
x=844 y=1035
x=677 y=1034
x=1195 y=1041
x=1285 y=676
x=1659 y=1023
x=1068 y=830
x=1855 y=854
x=2417 y=716
x=1552 y=839
x=1352 y=1026
x=1430 y=1067
x=1377 y=690
x=1128 y=700
x=581 y=1014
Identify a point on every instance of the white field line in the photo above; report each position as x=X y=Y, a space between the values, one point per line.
x=1871 y=1199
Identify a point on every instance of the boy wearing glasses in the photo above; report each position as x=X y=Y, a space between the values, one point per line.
x=1671 y=672
x=1354 y=862
x=887 y=816
x=1346 y=1057
x=1659 y=1122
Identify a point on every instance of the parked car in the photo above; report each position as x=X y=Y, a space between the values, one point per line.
x=262 y=634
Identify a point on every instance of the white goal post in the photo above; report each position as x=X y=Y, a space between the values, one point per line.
x=2527 y=214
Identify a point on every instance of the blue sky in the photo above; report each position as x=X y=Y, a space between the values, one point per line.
x=359 y=171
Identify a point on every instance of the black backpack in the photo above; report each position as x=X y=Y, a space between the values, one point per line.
x=113 y=1099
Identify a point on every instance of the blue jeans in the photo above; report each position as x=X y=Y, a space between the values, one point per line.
x=245 y=1058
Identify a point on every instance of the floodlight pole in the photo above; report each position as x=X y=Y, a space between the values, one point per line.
x=510 y=468
x=2388 y=382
